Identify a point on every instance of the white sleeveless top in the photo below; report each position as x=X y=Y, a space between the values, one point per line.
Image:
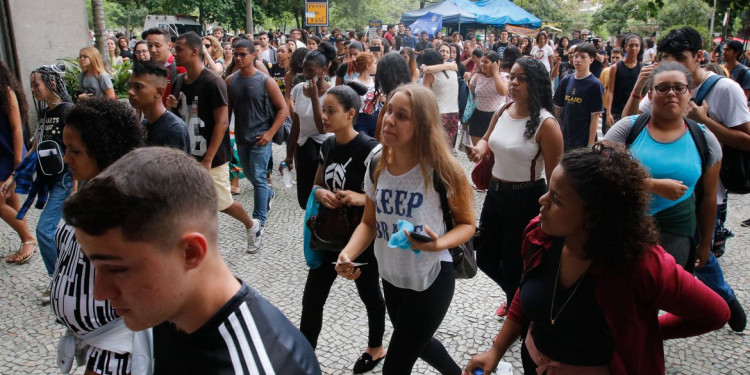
x=515 y=154
x=446 y=91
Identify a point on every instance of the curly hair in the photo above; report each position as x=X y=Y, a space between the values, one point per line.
x=216 y=51
x=9 y=82
x=540 y=92
x=614 y=191
x=108 y=128
x=679 y=40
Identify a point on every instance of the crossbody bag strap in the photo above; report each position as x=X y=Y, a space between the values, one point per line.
x=533 y=164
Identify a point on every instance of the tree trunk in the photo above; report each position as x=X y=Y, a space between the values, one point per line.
x=100 y=29
x=249 y=27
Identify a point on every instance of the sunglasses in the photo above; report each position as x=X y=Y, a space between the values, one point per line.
x=207 y=46
x=241 y=54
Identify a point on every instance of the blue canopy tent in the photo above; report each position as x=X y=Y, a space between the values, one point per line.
x=502 y=12
x=454 y=12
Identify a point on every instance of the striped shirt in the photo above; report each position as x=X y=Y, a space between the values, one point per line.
x=73 y=303
x=247 y=335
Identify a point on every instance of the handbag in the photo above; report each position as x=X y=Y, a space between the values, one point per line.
x=471 y=105
x=50 y=154
x=735 y=170
x=482 y=172
x=282 y=134
x=464 y=257
x=313 y=258
x=331 y=229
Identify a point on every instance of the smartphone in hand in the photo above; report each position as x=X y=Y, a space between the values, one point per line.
x=420 y=237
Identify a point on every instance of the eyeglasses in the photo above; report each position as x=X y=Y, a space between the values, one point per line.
x=678 y=89
x=82 y=57
x=141 y=52
x=241 y=54
x=518 y=77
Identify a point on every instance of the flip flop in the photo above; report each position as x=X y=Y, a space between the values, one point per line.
x=26 y=258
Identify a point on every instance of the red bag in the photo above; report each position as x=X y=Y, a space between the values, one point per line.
x=482 y=172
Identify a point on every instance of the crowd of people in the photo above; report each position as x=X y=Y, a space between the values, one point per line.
x=588 y=238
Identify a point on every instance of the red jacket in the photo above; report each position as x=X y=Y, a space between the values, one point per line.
x=631 y=298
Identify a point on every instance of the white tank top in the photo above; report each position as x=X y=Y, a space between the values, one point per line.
x=517 y=159
x=446 y=91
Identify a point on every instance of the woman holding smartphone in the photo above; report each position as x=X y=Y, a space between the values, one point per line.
x=342 y=164
x=418 y=288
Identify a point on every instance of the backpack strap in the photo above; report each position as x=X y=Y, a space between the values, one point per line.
x=440 y=188
x=699 y=138
x=177 y=85
x=638 y=126
x=706 y=88
x=374 y=161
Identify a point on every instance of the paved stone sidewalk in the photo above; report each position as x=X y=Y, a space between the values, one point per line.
x=28 y=333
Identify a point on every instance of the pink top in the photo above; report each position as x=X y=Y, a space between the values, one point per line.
x=485 y=94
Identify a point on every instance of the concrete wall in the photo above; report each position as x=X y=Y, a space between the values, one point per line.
x=44 y=31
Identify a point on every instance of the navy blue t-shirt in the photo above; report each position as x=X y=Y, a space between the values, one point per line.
x=579 y=98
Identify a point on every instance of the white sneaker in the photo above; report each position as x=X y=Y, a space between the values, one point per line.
x=253 y=237
x=45 y=297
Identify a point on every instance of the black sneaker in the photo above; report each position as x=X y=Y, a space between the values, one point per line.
x=737 y=317
x=365 y=363
x=745 y=223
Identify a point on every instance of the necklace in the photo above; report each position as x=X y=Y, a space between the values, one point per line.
x=554 y=291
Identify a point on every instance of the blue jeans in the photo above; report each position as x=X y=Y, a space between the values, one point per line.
x=712 y=275
x=254 y=162
x=60 y=189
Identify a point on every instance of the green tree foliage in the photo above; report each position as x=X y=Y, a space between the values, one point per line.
x=614 y=15
x=694 y=13
x=560 y=13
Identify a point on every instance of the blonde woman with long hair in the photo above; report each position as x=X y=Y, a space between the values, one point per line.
x=414 y=155
x=94 y=79
x=213 y=54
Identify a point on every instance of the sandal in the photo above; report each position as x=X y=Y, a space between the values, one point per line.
x=234 y=190
x=13 y=258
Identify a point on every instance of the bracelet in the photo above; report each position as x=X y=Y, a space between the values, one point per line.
x=636 y=96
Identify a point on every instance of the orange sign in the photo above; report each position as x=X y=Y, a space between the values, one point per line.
x=316 y=13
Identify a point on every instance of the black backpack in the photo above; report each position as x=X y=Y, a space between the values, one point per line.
x=735 y=164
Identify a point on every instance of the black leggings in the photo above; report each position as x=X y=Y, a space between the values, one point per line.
x=505 y=215
x=415 y=317
x=319 y=281
x=306 y=163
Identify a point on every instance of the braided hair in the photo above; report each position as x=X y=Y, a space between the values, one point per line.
x=52 y=76
x=540 y=92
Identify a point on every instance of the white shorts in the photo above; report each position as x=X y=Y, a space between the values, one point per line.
x=220 y=176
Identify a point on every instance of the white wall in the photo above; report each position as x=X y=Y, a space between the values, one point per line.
x=44 y=31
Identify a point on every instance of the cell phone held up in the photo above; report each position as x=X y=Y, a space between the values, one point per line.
x=420 y=237
x=374 y=48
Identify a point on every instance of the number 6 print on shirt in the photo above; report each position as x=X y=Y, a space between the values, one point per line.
x=198 y=143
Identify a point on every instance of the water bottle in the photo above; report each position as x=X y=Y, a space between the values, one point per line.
x=286 y=174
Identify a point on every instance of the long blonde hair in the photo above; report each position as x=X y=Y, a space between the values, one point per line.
x=96 y=66
x=431 y=146
x=216 y=50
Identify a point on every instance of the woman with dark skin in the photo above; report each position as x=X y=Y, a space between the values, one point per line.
x=595 y=279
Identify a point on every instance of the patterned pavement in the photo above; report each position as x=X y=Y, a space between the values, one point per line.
x=29 y=334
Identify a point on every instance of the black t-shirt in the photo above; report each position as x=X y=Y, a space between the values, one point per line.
x=500 y=48
x=278 y=73
x=246 y=333
x=596 y=65
x=169 y=130
x=126 y=54
x=341 y=70
x=210 y=91
x=580 y=335
x=345 y=165
x=53 y=121
x=579 y=98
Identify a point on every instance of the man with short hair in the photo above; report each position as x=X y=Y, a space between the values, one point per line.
x=741 y=74
x=148 y=224
x=268 y=53
x=502 y=44
x=599 y=60
x=250 y=91
x=578 y=101
x=489 y=45
x=160 y=50
x=141 y=52
x=408 y=40
x=202 y=104
x=576 y=38
x=725 y=113
x=424 y=43
x=296 y=35
x=148 y=84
